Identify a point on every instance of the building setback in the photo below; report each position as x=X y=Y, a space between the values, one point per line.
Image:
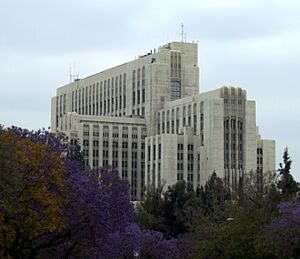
x=147 y=119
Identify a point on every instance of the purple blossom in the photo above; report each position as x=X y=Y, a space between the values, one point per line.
x=98 y=215
x=285 y=229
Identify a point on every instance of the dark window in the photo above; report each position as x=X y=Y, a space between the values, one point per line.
x=175 y=90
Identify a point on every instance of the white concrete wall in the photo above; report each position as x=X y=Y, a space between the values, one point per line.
x=269 y=163
x=250 y=137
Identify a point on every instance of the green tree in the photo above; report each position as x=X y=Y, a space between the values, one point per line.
x=149 y=211
x=237 y=229
x=286 y=182
x=172 y=212
x=258 y=191
x=181 y=208
x=214 y=195
x=240 y=233
x=31 y=196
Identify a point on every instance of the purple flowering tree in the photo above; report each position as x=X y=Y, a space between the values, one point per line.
x=95 y=214
x=285 y=229
x=134 y=242
x=91 y=205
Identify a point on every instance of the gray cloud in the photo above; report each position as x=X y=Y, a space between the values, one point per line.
x=250 y=43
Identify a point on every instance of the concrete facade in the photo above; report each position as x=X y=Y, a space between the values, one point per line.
x=110 y=141
x=178 y=133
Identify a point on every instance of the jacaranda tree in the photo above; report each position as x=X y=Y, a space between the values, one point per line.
x=50 y=205
x=32 y=184
x=285 y=229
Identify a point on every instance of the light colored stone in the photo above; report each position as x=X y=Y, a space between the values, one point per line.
x=219 y=125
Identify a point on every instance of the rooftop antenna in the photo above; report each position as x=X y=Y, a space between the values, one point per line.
x=77 y=75
x=182 y=33
x=70 y=73
x=74 y=72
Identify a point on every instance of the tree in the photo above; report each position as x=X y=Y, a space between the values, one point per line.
x=99 y=206
x=287 y=184
x=172 y=212
x=181 y=208
x=258 y=192
x=237 y=229
x=214 y=195
x=285 y=229
x=154 y=245
x=50 y=206
x=31 y=193
x=239 y=234
x=149 y=211
x=146 y=244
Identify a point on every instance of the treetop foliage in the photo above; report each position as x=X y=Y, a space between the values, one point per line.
x=50 y=204
x=286 y=183
x=53 y=207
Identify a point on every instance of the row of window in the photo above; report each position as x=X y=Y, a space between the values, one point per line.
x=138 y=97
x=233 y=166
x=111 y=86
x=136 y=80
x=190 y=147
x=260 y=160
x=154 y=152
x=95 y=99
x=233 y=156
x=190 y=177
x=234 y=123
x=182 y=111
x=233 y=101
x=190 y=167
x=233 y=136
x=164 y=127
x=190 y=156
x=114 y=135
x=107 y=107
x=234 y=146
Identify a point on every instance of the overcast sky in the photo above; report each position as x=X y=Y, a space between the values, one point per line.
x=251 y=44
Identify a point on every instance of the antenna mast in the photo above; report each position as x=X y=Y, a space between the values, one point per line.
x=182 y=33
x=74 y=72
x=70 y=73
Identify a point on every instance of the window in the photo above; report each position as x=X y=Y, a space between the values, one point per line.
x=190 y=147
x=143 y=95
x=226 y=136
x=179 y=176
x=175 y=90
x=133 y=98
x=159 y=151
x=179 y=156
x=190 y=177
x=180 y=146
x=149 y=154
x=95 y=153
